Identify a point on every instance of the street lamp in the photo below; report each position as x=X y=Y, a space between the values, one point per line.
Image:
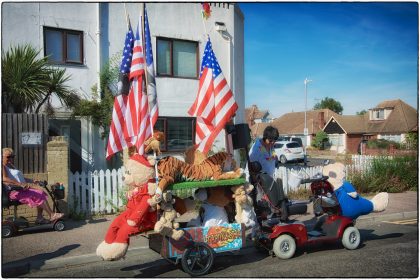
x=305 y=129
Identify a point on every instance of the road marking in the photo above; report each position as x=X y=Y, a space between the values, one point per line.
x=403 y=222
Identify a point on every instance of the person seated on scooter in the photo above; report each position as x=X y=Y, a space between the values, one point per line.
x=29 y=194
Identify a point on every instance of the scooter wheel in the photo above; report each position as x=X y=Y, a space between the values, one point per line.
x=351 y=238
x=7 y=231
x=284 y=247
x=59 y=226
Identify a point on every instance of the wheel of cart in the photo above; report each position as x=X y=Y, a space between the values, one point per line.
x=197 y=259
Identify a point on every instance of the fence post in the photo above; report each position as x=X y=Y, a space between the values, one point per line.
x=58 y=167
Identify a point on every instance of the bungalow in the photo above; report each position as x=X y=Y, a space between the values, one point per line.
x=390 y=120
x=293 y=124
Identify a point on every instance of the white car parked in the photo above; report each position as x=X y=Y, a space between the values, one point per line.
x=288 y=151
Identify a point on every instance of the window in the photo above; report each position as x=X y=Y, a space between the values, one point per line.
x=63 y=46
x=293 y=145
x=278 y=146
x=378 y=114
x=179 y=133
x=177 y=58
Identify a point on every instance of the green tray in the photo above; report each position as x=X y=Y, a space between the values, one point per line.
x=187 y=189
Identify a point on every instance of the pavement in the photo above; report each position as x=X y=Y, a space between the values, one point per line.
x=76 y=245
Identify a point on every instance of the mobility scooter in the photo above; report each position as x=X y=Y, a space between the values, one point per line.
x=280 y=236
x=12 y=225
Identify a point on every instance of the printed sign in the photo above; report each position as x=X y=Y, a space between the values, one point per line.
x=227 y=237
x=31 y=138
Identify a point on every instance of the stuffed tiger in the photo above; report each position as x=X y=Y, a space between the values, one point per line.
x=172 y=170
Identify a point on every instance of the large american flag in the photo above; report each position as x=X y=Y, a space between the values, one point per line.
x=130 y=124
x=150 y=71
x=116 y=141
x=137 y=118
x=214 y=105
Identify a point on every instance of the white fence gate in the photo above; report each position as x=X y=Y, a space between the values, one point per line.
x=102 y=191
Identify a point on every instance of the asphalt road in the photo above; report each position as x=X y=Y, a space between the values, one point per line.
x=389 y=249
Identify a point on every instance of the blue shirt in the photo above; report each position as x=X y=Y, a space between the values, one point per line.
x=267 y=159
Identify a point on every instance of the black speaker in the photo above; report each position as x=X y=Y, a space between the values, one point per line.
x=241 y=136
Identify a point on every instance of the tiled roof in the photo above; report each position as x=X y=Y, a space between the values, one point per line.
x=293 y=123
x=252 y=113
x=402 y=119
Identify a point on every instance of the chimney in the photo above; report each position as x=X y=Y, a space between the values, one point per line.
x=321 y=119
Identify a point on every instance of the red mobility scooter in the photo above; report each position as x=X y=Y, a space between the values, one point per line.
x=280 y=236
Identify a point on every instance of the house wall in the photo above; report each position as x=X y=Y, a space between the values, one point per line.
x=104 y=26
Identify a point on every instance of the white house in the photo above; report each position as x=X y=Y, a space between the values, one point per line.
x=83 y=36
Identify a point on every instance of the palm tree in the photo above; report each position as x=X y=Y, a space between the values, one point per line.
x=25 y=78
x=57 y=85
x=29 y=82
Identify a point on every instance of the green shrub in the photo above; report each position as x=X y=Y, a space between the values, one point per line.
x=386 y=174
x=320 y=139
x=382 y=144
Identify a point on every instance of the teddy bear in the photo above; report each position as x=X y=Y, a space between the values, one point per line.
x=140 y=214
x=166 y=225
x=245 y=213
x=351 y=203
x=153 y=143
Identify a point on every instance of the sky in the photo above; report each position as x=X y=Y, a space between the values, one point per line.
x=359 y=54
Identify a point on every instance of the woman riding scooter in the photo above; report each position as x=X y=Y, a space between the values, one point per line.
x=29 y=194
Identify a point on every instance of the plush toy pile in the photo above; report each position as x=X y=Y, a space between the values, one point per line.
x=166 y=224
x=351 y=203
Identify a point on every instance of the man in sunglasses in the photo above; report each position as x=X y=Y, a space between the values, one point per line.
x=263 y=150
x=29 y=193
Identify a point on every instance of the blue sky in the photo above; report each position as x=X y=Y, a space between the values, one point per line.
x=357 y=53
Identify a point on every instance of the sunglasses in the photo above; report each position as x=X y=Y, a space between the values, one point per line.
x=11 y=156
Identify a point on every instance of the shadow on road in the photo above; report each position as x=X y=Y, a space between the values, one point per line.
x=152 y=269
x=367 y=234
x=20 y=267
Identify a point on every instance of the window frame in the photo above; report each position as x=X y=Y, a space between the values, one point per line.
x=164 y=145
x=171 y=59
x=64 y=32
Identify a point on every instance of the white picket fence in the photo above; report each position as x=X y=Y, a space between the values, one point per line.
x=102 y=191
x=96 y=192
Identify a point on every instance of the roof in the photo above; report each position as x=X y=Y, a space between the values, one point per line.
x=253 y=113
x=294 y=123
x=351 y=124
x=402 y=119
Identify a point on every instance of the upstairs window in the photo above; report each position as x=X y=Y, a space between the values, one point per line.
x=177 y=58
x=63 y=46
x=379 y=114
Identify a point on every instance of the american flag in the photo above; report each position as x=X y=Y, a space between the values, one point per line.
x=150 y=71
x=116 y=141
x=137 y=119
x=214 y=105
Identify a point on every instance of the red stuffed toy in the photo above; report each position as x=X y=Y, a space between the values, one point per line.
x=140 y=214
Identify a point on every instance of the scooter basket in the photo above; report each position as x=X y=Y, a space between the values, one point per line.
x=58 y=191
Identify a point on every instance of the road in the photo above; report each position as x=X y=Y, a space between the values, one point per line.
x=389 y=249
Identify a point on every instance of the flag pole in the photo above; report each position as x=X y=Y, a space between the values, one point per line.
x=143 y=5
x=202 y=20
x=127 y=17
